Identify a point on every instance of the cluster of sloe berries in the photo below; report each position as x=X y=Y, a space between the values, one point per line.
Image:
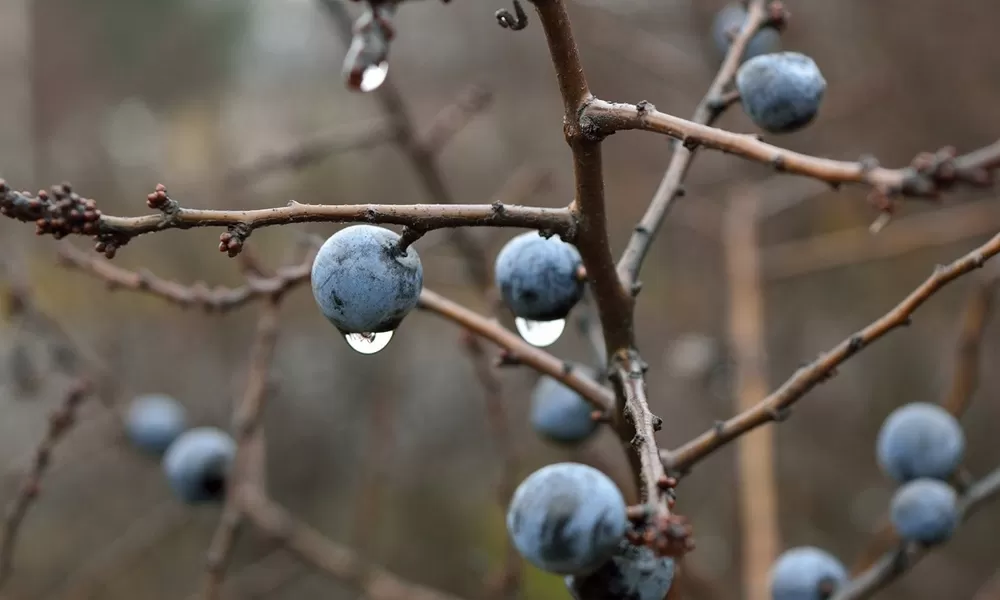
x=197 y=461
x=781 y=92
x=920 y=446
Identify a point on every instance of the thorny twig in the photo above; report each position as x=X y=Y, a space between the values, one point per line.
x=60 y=421
x=775 y=407
x=895 y=563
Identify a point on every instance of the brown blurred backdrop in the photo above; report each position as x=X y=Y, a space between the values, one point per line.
x=118 y=95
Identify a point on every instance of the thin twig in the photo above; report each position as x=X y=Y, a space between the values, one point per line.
x=775 y=407
x=917 y=180
x=964 y=381
x=757 y=480
x=60 y=421
x=708 y=110
x=62 y=212
x=895 y=563
x=250 y=453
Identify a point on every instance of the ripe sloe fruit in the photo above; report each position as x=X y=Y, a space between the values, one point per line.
x=560 y=414
x=154 y=421
x=567 y=518
x=633 y=573
x=537 y=276
x=780 y=92
x=806 y=573
x=731 y=19
x=925 y=511
x=363 y=283
x=920 y=440
x=198 y=464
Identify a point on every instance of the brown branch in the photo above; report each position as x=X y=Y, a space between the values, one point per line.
x=990 y=590
x=62 y=212
x=60 y=422
x=250 y=451
x=964 y=381
x=925 y=177
x=895 y=563
x=361 y=136
x=517 y=349
x=776 y=405
x=218 y=299
x=635 y=423
x=757 y=480
x=707 y=111
x=339 y=562
x=856 y=245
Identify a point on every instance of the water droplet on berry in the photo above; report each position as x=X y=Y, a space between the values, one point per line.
x=368 y=343
x=373 y=76
x=540 y=333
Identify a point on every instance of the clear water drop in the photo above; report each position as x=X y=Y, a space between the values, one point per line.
x=373 y=76
x=368 y=343
x=540 y=333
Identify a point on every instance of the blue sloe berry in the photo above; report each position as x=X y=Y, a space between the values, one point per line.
x=198 y=464
x=633 y=573
x=925 y=511
x=154 y=421
x=567 y=518
x=806 y=573
x=780 y=92
x=729 y=20
x=538 y=277
x=560 y=414
x=363 y=283
x=920 y=440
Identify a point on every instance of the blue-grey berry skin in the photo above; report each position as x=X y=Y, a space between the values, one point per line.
x=731 y=19
x=154 y=421
x=560 y=414
x=198 y=464
x=567 y=518
x=920 y=440
x=538 y=277
x=925 y=511
x=780 y=92
x=633 y=573
x=806 y=573
x=363 y=283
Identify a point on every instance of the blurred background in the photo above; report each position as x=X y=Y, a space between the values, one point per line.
x=119 y=95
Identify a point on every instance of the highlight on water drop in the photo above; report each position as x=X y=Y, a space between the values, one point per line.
x=368 y=343
x=373 y=76
x=540 y=333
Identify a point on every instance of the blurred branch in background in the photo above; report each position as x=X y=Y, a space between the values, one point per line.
x=60 y=421
x=989 y=590
x=907 y=234
x=757 y=492
x=895 y=563
x=964 y=382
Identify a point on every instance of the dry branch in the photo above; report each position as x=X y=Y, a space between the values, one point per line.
x=60 y=421
x=775 y=407
x=926 y=177
x=708 y=110
x=895 y=563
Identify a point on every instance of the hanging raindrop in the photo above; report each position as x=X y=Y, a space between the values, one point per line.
x=540 y=333
x=368 y=343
